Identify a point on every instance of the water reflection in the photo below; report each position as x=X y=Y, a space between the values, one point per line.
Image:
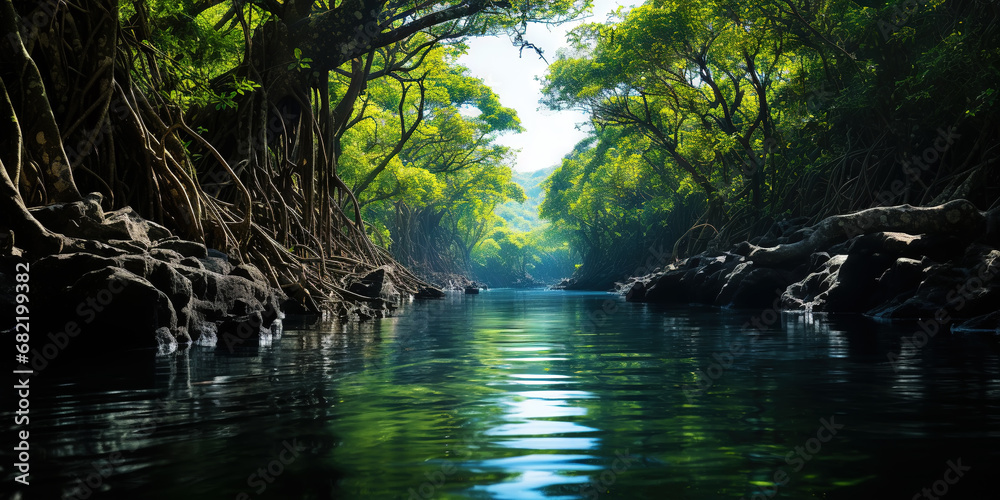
x=509 y=395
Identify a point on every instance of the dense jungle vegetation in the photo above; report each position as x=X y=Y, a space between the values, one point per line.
x=716 y=120
x=322 y=139
x=317 y=140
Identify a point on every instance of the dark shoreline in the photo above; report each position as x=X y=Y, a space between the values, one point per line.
x=136 y=286
x=886 y=263
x=128 y=284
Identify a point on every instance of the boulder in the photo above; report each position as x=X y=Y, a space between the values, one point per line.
x=165 y=342
x=118 y=310
x=184 y=248
x=216 y=262
x=636 y=293
x=811 y=292
x=378 y=285
x=666 y=288
x=759 y=288
x=248 y=272
x=855 y=283
x=428 y=292
x=165 y=255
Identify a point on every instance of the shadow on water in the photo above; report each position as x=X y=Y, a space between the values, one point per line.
x=533 y=394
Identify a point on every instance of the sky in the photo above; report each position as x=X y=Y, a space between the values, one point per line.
x=548 y=135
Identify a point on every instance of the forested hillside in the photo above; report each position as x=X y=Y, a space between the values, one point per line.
x=523 y=216
x=524 y=250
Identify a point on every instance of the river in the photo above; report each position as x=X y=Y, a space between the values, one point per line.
x=530 y=395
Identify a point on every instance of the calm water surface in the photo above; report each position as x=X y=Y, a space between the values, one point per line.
x=532 y=395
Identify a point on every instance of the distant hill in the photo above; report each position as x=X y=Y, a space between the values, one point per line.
x=524 y=216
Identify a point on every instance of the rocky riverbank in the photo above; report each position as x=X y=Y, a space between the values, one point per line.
x=127 y=283
x=898 y=263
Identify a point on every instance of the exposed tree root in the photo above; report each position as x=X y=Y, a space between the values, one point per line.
x=954 y=217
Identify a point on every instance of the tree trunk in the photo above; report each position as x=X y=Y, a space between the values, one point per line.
x=30 y=104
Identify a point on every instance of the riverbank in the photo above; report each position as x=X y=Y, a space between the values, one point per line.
x=938 y=264
x=124 y=283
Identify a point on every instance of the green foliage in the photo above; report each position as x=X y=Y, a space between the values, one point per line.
x=426 y=147
x=240 y=87
x=731 y=113
x=523 y=216
x=194 y=52
x=300 y=62
x=509 y=257
x=748 y=110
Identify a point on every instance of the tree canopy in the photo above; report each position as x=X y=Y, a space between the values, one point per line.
x=262 y=128
x=745 y=113
x=324 y=139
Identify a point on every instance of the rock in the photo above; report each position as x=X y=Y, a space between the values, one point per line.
x=184 y=248
x=760 y=288
x=376 y=285
x=136 y=264
x=564 y=284
x=246 y=331
x=86 y=219
x=181 y=335
x=952 y=218
x=249 y=272
x=743 y=248
x=169 y=281
x=226 y=291
x=72 y=219
x=939 y=247
x=818 y=259
x=165 y=255
x=889 y=262
x=708 y=281
x=118 y=310
x=636 y=293
x=135 y=301
x=961 y=289
x=128 y=247
x=857 y=278
x=127 y=223
x=217 y=262
x=666 y=288
x=204 y=334
x=126 y=283
x=811 y=292
x=198 y=279
x=192 y=262
x=428 y=292
x=978 y=290
x=165 y=342
x=56 y=270
x=362 y=311
x=903 y=277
